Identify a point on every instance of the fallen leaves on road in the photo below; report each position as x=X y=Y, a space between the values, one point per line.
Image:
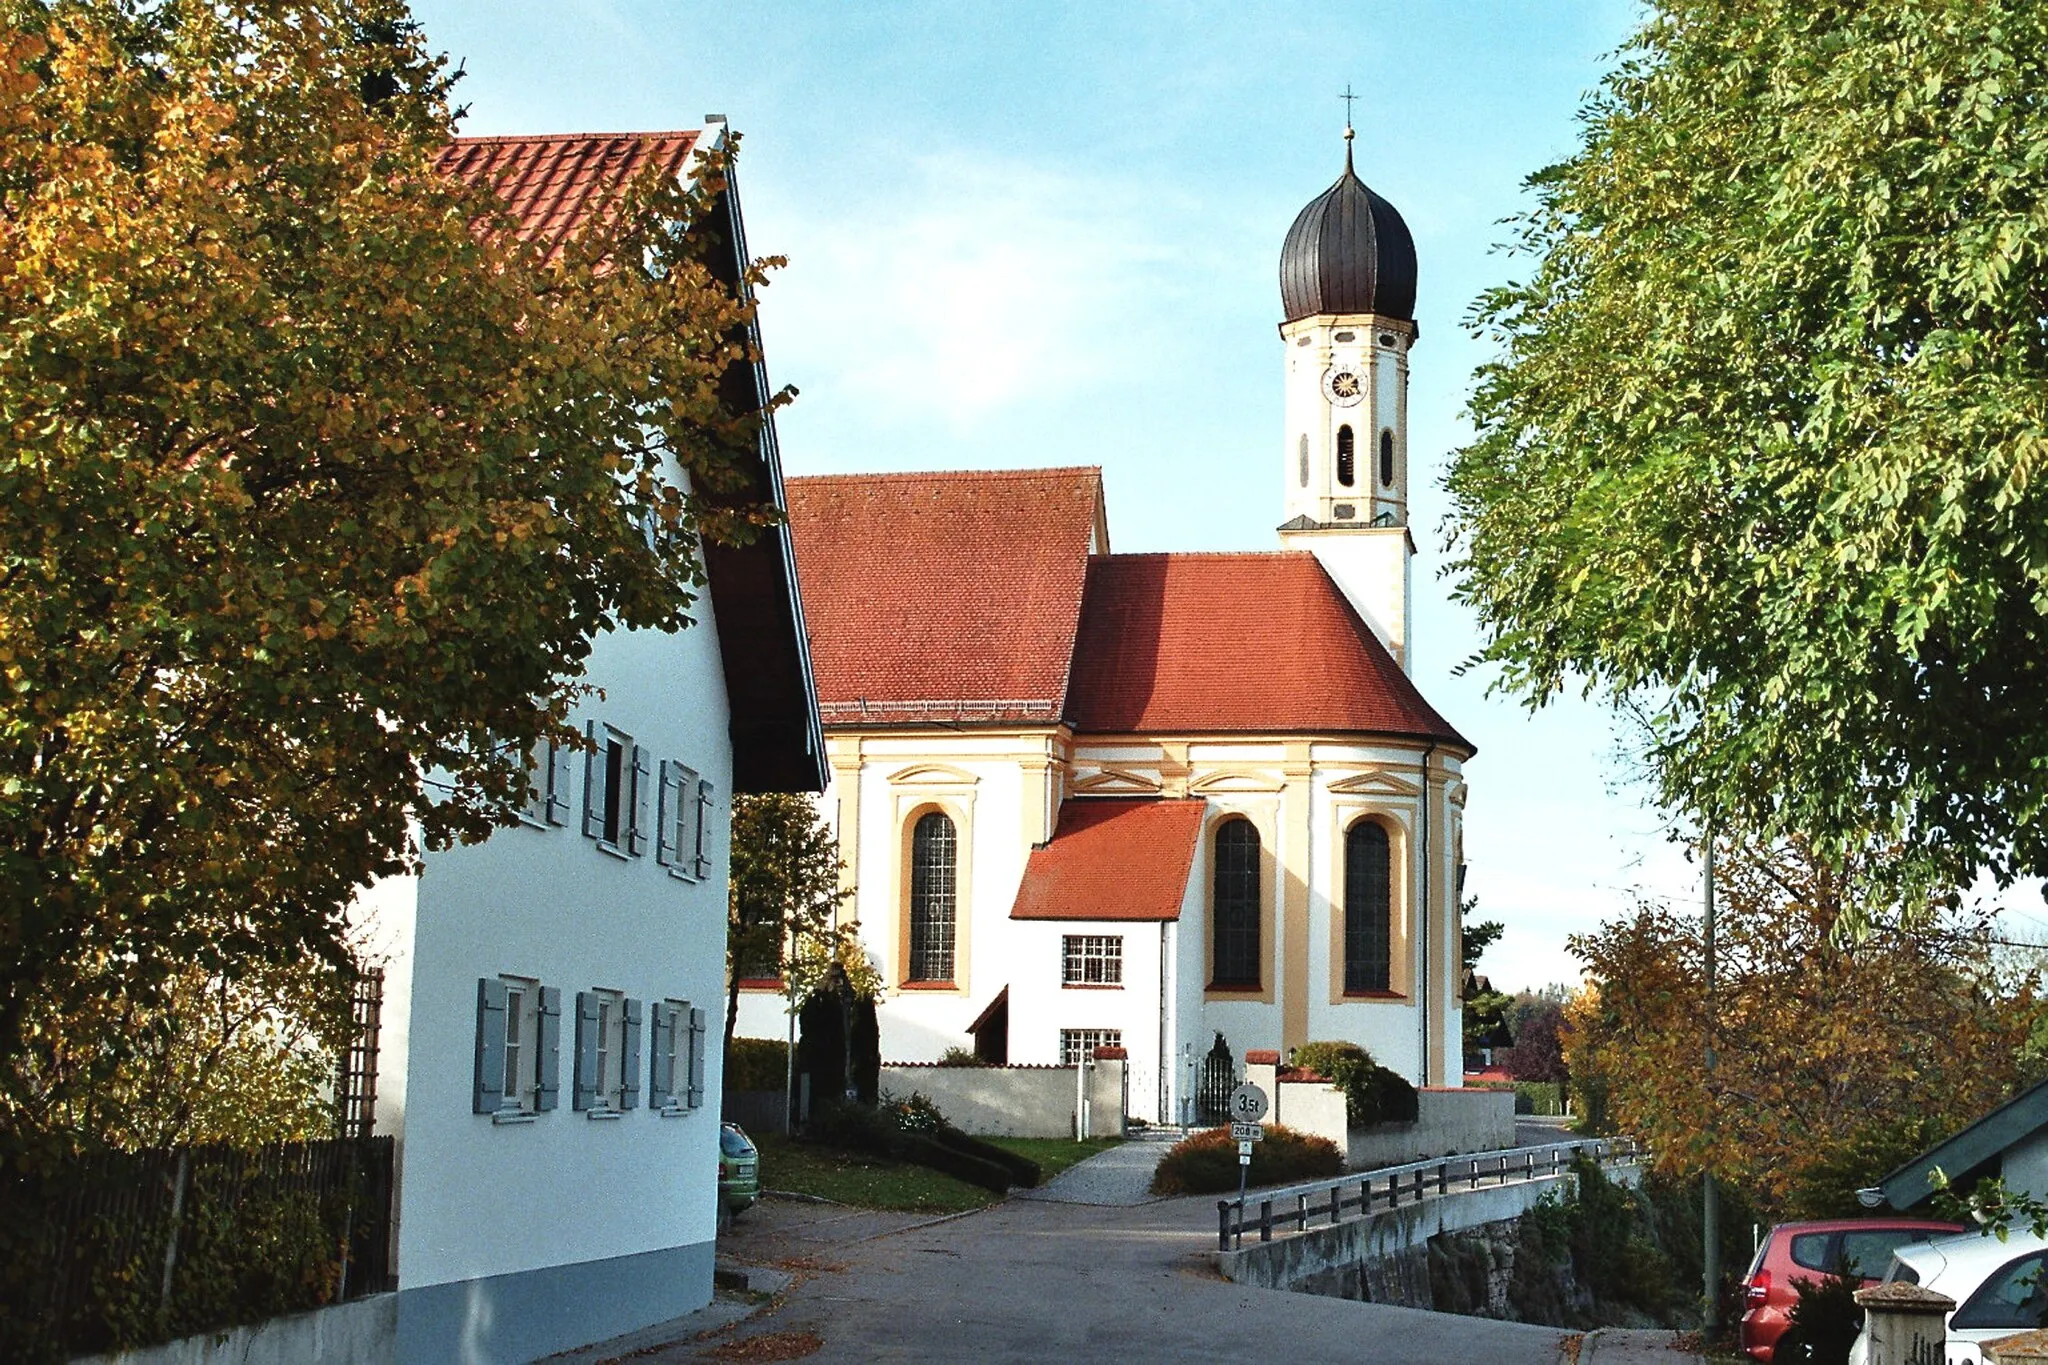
x=1572 y=1344
x=769 y=1346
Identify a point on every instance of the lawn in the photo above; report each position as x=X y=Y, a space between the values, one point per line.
x=873 y=1183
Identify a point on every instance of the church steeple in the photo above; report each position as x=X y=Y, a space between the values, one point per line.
x=1347 y=295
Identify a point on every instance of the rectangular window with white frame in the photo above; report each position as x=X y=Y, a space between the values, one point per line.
x=1078 y=1044
x=679 y=819
x=676 y=1072
x=607 y=1052
x=1092 y=960
x=517 y=1043
x=618 y=784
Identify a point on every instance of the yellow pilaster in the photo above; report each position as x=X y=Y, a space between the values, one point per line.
x=1295 y=837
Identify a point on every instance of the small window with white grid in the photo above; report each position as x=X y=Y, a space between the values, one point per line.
x=1079 y=1044
x=1092 y=960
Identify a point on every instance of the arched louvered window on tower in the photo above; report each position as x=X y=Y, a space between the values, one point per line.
x=1387 y=456
x=934 y=856
x=1347 y=457
x=1368 y=908
x=1234 y=906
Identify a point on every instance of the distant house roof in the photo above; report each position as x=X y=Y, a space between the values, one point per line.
x=1235 y=642
x=1974 y=1147
x=1112 y=859
x=556 y=184
x=948 y=597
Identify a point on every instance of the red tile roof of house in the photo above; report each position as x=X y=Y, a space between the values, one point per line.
x=944 y=597
x=1194 y=643
x=1112 y=859
x=555 y=182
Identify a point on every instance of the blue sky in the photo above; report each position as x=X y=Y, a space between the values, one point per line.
x=1031 y=234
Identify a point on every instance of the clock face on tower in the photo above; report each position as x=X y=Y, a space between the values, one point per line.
x=1342 y=387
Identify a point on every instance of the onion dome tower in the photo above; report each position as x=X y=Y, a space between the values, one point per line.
x=1347 y=298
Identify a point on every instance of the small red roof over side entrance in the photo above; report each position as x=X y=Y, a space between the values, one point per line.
x=1113 y=859
x=944 y=597
x=1266 y=643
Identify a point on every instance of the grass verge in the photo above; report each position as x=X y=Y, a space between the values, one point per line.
x=873 y=1183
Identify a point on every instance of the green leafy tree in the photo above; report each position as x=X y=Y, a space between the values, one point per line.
x=1485 y=1009
x=784 y=906
x=1759 y=450
x=319 y=482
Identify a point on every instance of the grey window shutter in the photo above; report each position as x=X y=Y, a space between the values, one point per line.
x=665 y=820
x=593 y=784
x=549 y=1072
x=643 y=789
x=629 y=1064
x=703 y=849
x=661 y=1082
x=490 y=1046
x=696 y=1058
x=558 y=783
x=585 y=1095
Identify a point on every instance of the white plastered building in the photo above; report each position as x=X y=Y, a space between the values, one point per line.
x=549 y=991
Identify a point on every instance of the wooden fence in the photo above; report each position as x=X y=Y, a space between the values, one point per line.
x=125 y=1249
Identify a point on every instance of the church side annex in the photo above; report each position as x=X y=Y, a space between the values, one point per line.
x=1090 y=799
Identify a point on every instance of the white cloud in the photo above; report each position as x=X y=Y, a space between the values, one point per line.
x=964 y=287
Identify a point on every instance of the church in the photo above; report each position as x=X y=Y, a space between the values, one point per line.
x=1093 y=799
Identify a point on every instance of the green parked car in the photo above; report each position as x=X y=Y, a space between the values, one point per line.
x=739 y=1173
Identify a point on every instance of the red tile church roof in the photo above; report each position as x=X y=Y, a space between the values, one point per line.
x=553 y=183
x=1190 y=643
x=944 y=597
x=1112 y=859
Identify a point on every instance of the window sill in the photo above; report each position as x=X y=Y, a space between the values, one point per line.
x=605 y=1114
x=1234 y=988
x=1091 y=985
x=928 y=986
x=614 y=850
x=1375 y=995
x=682 y=876
x=506 y=1117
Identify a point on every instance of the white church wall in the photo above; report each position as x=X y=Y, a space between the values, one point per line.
x=979 y=783
x=1041 y=1005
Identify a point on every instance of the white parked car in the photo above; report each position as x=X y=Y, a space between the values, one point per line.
x=1999 y=1288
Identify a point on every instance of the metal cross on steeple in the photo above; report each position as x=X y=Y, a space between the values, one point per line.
x=1348 y=99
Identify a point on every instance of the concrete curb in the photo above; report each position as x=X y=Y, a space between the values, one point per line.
x=1625 y=1345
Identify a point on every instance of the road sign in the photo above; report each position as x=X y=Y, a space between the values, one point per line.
x=1244 y=1158
x=1247 y=1132
x=1247 y=1103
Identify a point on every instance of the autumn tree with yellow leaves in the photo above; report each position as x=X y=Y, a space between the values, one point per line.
x=317 y=482
x=1836 y=1056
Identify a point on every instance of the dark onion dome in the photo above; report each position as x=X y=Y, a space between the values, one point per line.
x=1348 y=252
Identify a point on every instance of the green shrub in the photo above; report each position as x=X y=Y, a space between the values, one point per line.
x=915 y=1115
x=1206 y=1162
x=1372 y=1094
x=961 y=1056
x=1825 y=1322
x=757 y=1064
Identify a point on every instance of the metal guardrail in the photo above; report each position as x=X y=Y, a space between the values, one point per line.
x=1384 y=1188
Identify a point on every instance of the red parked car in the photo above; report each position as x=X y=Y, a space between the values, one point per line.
x=1861 y=1247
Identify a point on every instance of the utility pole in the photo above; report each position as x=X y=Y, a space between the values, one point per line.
x=1710 y=1197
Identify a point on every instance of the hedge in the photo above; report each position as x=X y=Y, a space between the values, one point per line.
x=1206 y=1162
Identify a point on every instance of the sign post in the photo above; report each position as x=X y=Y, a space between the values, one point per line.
x=1247 y=1107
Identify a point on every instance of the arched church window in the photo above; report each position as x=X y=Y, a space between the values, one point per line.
x=934 y=854
x=1368 y=908
x=1234 y=905
x=1387 y=456
x=1346 y=457
x=1304 y=459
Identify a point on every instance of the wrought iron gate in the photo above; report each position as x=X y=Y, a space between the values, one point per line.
x=1213 y=1086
